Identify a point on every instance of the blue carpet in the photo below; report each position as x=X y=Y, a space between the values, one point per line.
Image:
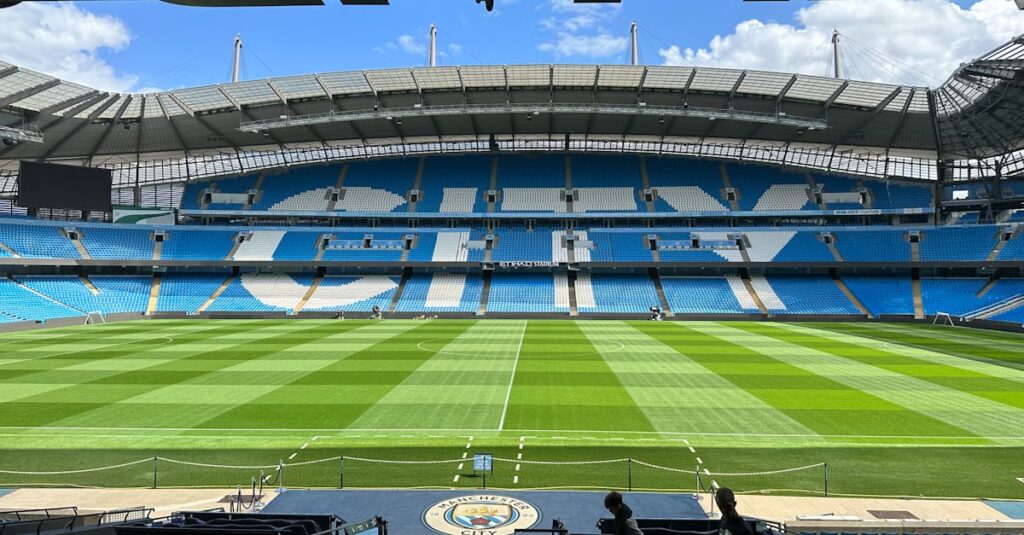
x=1014 y=510
x=405 y=509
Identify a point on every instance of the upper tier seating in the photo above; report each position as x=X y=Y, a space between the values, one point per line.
x=765 y=189
x=298 y=246
x=190 y=199
x=117 y=243
x=42 y=241
x=441 y=292
x=686 y=185
x=300 y=189
x=381 y=247
x=882 y=295
x=198 y=244
x=873 y=246
x=958 y=243
x=378 y=185
x=455 y=184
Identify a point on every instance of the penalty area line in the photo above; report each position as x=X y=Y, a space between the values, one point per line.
x=515 y=364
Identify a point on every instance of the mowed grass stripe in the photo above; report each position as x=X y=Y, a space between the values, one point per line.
x=971 y=343
x=979 y=378
x=564 y=383
x=821 y=404
x=851 y=365
x=301 y=404
x=677 y=393
x=114 y=405
x=458 y=381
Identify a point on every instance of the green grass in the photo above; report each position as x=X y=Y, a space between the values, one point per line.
x=893 y=409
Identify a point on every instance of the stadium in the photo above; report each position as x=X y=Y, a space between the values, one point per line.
x=550 y=280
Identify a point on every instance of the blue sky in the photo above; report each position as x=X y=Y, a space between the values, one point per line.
x=144 y=44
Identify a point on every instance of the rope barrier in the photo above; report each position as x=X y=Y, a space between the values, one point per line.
x=565 y=463
x=209 y=465
x=387 y=461
x=82 y=471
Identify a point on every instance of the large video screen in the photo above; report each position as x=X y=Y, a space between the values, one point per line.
x=47 y=185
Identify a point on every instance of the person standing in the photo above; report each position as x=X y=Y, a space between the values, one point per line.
x=732 y=523
x=625 y=524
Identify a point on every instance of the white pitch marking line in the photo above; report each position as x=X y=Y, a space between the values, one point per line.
x=460 y=466
x=692 y=450
x=465 y=454
x=515 y=480
x=517 y=468
x=699 y=461
x=520 y=446
x=292 y=456
x=469 y=445
x=519 y=457
x=522 y=439
x=455 y=479
x=512 y=378
x=304 y=446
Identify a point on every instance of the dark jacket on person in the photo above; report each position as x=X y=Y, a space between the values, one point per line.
x=734 y=525
x=624 y=522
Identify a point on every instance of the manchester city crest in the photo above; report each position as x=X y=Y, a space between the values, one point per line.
x=480 y=515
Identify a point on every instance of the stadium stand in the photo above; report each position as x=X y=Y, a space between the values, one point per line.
x=873 y=246
x=262 y=292
x=43 y=241
x=350 y=293
x=700 y=295
x=521 y=292
x=25 y=304
x=186 y=292
x=441 y=292
x=455 y=184
x=958 y=243
x=883 y=294
x=113 y=294
x=807 y=294
x=117 y=243
x=618 y=294
x=198 y=244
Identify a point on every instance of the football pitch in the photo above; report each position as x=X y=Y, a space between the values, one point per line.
x=893 y=409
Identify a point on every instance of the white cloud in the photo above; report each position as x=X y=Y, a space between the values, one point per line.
x=578 y=30
x=411 y=45
x=65 y=41
x=921 y=40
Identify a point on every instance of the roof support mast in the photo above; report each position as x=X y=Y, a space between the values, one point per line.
x=634 y=50
x=237 y=59
x=432 y=50
x=835 y=52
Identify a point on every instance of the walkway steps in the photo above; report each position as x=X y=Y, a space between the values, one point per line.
x=915 y=251
x=154 y=295
x=493 y=186
x=9 y=251
x=656 y=279
x=835 y=251
x=418 y=182
x=406 y=275
x=308 y=295
x=753 y=294
x=988 y=286
x=158 y=250
x=224 y=286
x=234 y=248
x=340 y=183
x=571 y=282
x=734 y=204
x=853 y=298
x=82 y=251
x=997 y=249
x=88 y=284
x=645 y=180
x=915 y=283
x=482 y=310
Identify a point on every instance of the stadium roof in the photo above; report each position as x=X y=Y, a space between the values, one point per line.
x=977 y=112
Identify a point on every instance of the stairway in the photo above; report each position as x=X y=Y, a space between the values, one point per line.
x=753 y=294
x=154 y=295
x=915 y=283
x=9 y=251
x=915 y=251
x=571 y=282
x=306 y=296
x=338 y=185
x=493 y=184
x=158 y=250
x=656 y=279
x=234 y=248
x=88 y=284
x=406 y=275
x=224 y=286
x=485 y=294
x=645 y=180
x=834 y=250
x=734 y=204
x=417 y=183
x=82 y=251
x=988 y=286
x=849 y=295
